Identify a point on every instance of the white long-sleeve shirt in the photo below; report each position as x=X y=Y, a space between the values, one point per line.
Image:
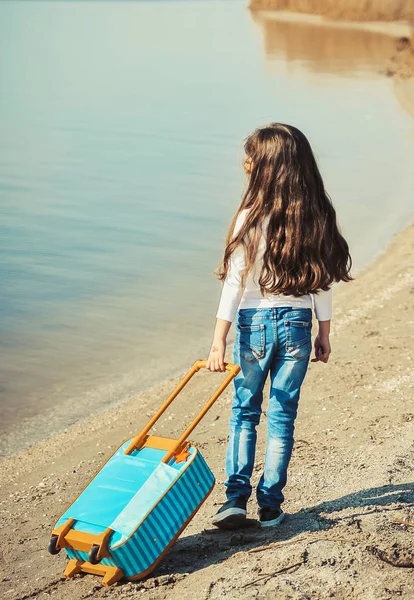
x=234 y=296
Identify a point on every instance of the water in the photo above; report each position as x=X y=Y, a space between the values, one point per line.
x=120 y=167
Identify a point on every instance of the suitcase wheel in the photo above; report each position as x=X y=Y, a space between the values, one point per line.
x=93 y=555
x=52 y=547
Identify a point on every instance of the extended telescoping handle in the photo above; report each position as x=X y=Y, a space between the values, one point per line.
x=139 y=440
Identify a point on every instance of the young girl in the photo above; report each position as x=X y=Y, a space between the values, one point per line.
x=283 y=249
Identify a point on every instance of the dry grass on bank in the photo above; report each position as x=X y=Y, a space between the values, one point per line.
x=359 y=10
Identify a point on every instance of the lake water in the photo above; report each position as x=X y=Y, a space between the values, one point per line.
x=120 y=167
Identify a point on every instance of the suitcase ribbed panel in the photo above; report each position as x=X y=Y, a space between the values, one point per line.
x=155 y=533
x=143 y=548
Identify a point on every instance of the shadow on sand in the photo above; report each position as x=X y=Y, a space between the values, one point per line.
x=213 y=546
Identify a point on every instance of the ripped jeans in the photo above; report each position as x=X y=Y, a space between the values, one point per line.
x=275 y=341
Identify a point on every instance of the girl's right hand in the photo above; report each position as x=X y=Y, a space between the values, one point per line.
x=215 y=361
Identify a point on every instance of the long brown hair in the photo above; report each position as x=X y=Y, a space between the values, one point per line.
x=305 y=251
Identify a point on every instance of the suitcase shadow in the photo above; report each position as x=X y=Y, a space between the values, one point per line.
x=212 y=546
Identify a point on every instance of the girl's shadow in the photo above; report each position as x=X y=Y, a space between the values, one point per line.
x=212 y=546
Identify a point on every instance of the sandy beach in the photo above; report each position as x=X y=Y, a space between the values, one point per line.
x=349 y=526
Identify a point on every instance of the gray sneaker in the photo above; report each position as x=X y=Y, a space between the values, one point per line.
x=232 y=515
x=270 y=517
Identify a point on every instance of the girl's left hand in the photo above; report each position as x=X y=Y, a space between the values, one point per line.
x=322 y=349
x=215 y=361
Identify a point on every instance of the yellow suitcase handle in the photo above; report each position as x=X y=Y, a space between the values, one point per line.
x=139 y=440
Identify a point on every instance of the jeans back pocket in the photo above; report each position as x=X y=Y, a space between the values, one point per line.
x=251 y=341
x=298 y=335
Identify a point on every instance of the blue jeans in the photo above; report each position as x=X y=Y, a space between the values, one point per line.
x=275 y=341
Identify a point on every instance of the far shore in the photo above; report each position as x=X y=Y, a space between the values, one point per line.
x=343 y=10
x=400 y=65
x=393 y=28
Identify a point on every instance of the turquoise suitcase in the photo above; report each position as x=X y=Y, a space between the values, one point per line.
x=138 y=503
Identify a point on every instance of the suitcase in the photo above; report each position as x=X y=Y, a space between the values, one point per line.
x=138 y=503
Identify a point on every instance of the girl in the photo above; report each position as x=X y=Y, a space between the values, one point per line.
x=283 y=249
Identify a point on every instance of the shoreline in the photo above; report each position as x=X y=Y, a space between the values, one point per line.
x=42 y=422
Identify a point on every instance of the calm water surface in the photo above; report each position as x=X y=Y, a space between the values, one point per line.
x=120 y=152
